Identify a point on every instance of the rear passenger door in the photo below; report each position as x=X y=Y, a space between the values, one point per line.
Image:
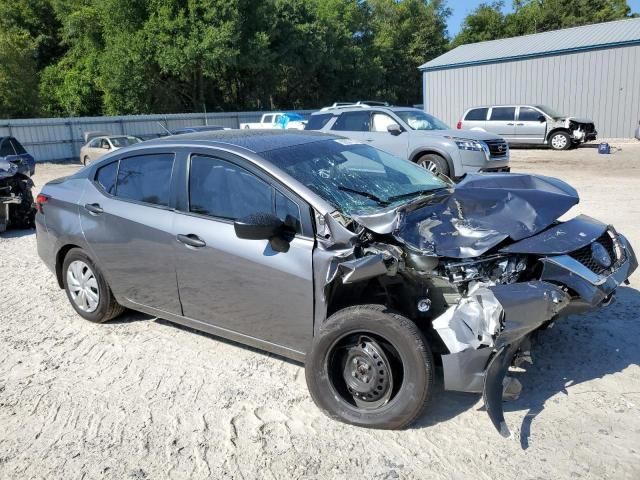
x=502 y=121
x=238 y=285
x=127 y=219
x=354 y=125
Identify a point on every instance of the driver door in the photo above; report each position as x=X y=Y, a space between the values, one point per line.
x=379 y=137
x=243 y=286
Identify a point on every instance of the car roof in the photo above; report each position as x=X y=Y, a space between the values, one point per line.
x=364 y=108
x=256 y=141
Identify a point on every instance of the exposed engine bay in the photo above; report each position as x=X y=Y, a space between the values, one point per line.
x=16 y=199
x=479 y=267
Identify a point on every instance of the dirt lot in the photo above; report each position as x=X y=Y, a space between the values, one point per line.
x=141 y=398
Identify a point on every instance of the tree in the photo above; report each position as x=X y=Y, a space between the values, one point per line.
x=486 y=22
x=18 y=75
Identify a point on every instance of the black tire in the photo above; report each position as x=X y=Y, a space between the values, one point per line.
x=563 y=142
x=434 y=163
x=85 y=160
x=108 y=308
x=404 y=349
x=23 y=215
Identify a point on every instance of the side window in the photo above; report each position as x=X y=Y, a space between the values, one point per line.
x=145 y=178
x=221 y=189
x=380 y=122
x=352 y=122
x=528 y=114
x=268 y=119
x=288 y=212
x=17 y=146
x=104 y=143
x=95 y=143
x=106 y=177
x=477 y=114
x=316 y=122
x=6 y=148
x=504 y=114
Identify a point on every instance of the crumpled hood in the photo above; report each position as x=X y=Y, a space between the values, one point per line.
x=480 y=212
x=7 y=169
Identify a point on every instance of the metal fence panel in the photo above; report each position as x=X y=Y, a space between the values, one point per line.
x=60 y=139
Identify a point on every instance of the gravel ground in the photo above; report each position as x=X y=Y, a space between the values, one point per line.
x=141 y=398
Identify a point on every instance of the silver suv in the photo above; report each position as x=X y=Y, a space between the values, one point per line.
x=415 y=135
x=530 y=124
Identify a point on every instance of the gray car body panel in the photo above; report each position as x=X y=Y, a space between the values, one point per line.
x=244 y=291
x=411 y=144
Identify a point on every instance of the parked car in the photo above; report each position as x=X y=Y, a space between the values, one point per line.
x=278 y=120
x=331 y=251
x=12 y=151
x=198 y=128
x=530 y=124
x=16 y=200
x=415 y=135
x=97 y=146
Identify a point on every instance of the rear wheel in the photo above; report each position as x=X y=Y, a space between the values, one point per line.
x=87 y=289
x=85 y=160
x=434 y=163
x=370 y=367
x=560 y=141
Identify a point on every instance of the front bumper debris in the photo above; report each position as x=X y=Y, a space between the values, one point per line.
x=490 y=327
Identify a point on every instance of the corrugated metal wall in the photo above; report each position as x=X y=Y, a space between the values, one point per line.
x=57 y=139
x=603 y=85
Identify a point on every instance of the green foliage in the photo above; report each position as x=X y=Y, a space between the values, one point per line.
x=93 y=57
x=488 y=22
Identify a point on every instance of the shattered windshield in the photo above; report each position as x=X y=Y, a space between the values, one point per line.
x=353 y=177
x=418 y=120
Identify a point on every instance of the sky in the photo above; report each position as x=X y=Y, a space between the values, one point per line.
x=461 y=8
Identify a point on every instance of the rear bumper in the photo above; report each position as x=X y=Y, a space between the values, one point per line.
x=490 y=330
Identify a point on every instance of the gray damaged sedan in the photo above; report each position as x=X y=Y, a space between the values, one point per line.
x=367 y=267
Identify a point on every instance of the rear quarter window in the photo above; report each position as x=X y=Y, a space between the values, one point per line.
x=476 y=114
x=106 y=177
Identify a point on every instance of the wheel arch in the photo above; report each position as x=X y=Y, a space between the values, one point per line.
x=60 y=256
x=430 y=150
x=556 y=130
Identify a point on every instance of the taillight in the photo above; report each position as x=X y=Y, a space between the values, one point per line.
x=41 y=199
x=459 y=125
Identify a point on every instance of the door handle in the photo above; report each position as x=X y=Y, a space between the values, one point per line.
x=369 y=139
x=509 y=123
x=191 y=240
x=519 y=124
x=94 y=208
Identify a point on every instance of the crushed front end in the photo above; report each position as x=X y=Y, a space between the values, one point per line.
x=479 y=268
x=16 y=200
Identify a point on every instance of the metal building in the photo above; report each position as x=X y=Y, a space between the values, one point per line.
x=591 y=71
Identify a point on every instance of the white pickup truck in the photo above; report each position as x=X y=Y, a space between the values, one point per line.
x=289 y=121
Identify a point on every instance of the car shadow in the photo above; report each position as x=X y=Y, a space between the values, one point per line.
x=575 y=350
x=18 y=233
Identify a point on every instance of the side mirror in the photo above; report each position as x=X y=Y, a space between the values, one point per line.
x=264 y=226
x=542 y=119
x=394 y=129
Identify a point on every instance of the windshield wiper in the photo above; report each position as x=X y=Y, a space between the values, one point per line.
x=370 y=196
x=431 y=191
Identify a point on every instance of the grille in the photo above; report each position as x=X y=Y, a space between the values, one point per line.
x=584 y=256
x=497 y=148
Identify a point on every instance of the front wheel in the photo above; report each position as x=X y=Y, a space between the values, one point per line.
x=434 y=163
x=85 y=160
x=560 y=141
x=370 y=367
